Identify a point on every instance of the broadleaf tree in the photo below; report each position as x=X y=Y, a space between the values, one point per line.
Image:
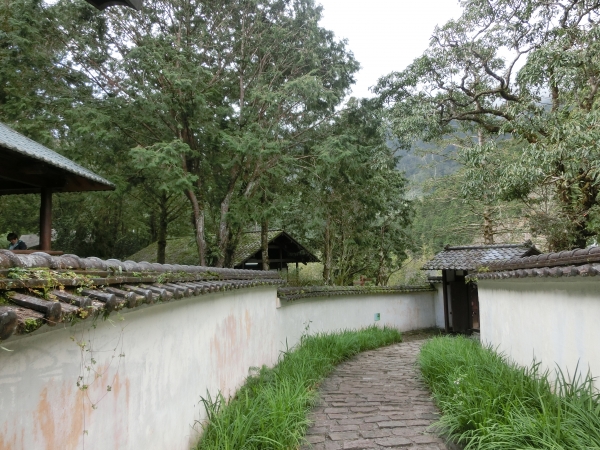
x=524 y=69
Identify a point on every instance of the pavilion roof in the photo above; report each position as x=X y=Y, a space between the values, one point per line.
x=27 y=166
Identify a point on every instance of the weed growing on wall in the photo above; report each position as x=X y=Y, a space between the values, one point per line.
x=95 y=380
x=488 y=402
x=271 y=410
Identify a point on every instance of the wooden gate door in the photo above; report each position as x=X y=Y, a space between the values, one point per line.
x=474 y=303
x=459 y=298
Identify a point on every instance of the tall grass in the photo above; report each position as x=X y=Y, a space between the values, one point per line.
x=271 y=410
x=488 y=402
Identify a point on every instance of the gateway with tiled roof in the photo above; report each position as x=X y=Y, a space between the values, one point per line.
x=470 y=257
x=460 y=295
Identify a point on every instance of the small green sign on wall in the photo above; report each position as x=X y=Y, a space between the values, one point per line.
x=377 y=317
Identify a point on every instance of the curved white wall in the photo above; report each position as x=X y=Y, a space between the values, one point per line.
x=174 y=353
x=554 y=321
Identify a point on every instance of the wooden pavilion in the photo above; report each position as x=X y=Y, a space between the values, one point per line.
x=27 y=167
x=283 y=249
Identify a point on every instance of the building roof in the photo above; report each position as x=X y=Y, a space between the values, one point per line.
x=250 y=246
x=580 y=262
x=38 y=289
x=27 y=166
x=470 y=257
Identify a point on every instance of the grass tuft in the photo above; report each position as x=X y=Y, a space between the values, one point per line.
x=271 y=410
x=488 y=402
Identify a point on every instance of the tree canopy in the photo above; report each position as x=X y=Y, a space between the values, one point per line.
x=526 y=70
x=209 y=117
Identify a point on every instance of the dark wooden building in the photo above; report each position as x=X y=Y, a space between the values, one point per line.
x=283 y=249
x=461 y=301
x=27 y=167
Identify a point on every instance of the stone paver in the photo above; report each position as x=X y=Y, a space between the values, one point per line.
x=376 y=401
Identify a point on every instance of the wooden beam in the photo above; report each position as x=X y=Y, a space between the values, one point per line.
x=46 y=220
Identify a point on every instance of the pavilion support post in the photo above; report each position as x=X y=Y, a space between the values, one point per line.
x=46 y=219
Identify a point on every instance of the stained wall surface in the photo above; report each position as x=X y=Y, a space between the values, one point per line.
x=439 y=306
x=142 y=374
x=553 y=321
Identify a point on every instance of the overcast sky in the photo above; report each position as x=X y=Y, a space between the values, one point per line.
x=385 y=35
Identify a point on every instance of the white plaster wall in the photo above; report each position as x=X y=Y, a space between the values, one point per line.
x=174 y=353
x=408 y=311
x=439 y=306
x=555 y=322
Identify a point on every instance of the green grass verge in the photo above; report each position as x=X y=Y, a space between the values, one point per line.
x=488 y=402
x=271 y=410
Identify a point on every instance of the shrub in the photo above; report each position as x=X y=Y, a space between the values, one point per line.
x=488 y=402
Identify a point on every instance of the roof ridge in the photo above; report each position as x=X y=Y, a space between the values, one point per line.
x=484 y=247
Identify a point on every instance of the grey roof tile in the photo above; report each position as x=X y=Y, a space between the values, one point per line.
x=91 y=286
x=474 y=256
x=580 y=262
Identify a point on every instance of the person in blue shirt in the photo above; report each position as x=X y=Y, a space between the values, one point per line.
x=15 y=242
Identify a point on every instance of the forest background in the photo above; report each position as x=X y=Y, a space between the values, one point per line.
x=216 y=118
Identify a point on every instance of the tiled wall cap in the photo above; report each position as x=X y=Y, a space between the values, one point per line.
x=94 y=263
x=158 y=267
x=556 y=272
x=587 y=271
x=131 y=266
x=145 y=266
x=570 y=271
x=33 y=260
x=115 y=265
x=66 y=262
x=8 y=259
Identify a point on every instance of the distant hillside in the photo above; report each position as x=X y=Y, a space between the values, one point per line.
x=424 y=162
x=179 y=251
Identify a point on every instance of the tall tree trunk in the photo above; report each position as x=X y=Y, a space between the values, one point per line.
x=488 y=221
x=232 y=243
x=224 y=229
x=153 y=226
x=327 y=257
x=198 y=215
x=162 y=230
x=488 y=227
x=264 y=243
x=380 y=281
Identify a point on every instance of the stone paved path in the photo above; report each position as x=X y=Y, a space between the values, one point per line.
x=376 y=401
